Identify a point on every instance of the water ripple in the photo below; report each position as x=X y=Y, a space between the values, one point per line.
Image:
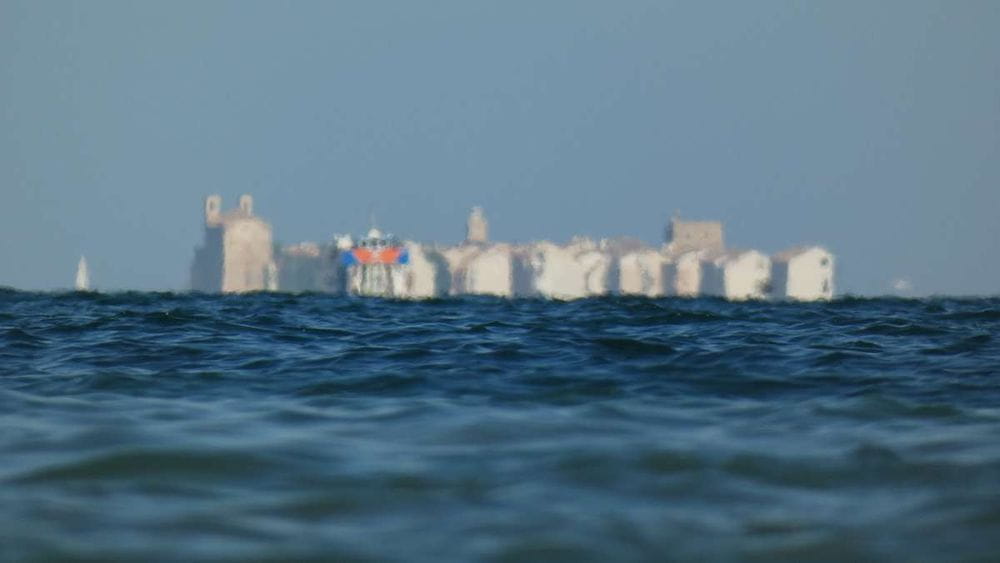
x=272 y=426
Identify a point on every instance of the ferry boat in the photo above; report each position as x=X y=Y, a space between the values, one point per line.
x=376 y=248
x=375 y=265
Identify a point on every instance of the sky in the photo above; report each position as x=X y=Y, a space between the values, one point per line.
x=872 y=128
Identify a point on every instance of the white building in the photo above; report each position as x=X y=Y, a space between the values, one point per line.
x=736 y=275
x=579 y=269
x=423 y=278
x=803 y=274
x=682 y=274
x=478 y=269
x=640 y=272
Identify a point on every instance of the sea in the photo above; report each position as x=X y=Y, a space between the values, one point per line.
x=280 y=427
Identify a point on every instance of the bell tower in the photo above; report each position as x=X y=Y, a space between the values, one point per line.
x=477 y=228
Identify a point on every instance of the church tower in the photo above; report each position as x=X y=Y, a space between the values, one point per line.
x=477 y=228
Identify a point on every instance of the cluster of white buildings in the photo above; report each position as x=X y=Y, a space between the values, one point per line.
x=238 y=256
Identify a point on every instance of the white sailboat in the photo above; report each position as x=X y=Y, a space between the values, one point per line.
x=82 y=275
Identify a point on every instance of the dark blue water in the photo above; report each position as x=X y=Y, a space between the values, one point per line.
x=273 y=427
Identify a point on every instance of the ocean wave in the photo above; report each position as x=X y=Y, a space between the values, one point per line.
x=189 y=426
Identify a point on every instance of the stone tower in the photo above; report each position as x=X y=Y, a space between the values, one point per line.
x=477 y=228
x=237 y=253
x=684 y=236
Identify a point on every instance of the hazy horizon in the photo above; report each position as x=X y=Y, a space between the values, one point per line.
x=873 y=130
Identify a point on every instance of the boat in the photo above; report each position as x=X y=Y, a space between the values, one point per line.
x=375 y=263
x=82 y=275
x=376 y=248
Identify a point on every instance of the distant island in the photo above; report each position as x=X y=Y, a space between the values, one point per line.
x=238 y=255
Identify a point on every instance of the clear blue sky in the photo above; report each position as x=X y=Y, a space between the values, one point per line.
x=870 y=127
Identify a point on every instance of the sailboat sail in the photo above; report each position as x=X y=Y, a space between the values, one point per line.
x=82 y=275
